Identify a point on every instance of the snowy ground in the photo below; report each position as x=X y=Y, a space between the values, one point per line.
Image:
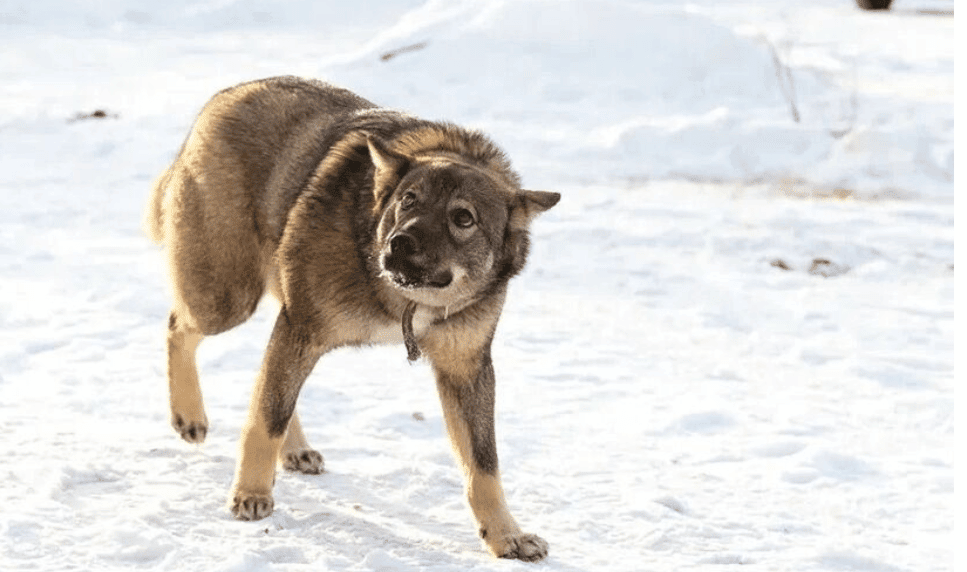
x=683 y=382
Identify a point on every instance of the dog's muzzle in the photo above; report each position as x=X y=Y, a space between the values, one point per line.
x=409 y=265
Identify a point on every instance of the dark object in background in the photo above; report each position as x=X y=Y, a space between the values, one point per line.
x=874 y=4
x=97 y=114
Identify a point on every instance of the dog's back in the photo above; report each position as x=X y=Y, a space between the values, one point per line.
x=243 y=137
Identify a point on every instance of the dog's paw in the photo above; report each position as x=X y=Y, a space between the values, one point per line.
x=306 y=461
x=526 y=547
x=251 y=506
x=191 y=431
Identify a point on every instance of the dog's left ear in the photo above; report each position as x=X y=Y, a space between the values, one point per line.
x=536 y=202
x=529 y=204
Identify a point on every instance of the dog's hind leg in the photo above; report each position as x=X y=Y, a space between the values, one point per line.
x=187 y=408
x=297 y=454
x=214 y=264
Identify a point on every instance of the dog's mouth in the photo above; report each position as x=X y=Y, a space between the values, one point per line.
x=414 y=281
x=407 y=275
x=420 y=280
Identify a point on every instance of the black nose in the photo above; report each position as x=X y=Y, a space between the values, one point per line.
x=403 y=244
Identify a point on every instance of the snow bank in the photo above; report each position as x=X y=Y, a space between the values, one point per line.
x=604 y=91
x=619 y=92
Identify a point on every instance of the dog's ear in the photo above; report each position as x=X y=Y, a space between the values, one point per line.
x=528 y=205
x=536 y=202
x=390 y=167
x=383 y=157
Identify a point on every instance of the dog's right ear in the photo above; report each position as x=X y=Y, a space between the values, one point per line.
x=386 y=160
x=390 y=168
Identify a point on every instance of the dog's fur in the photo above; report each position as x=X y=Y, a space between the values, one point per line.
x=363 y=223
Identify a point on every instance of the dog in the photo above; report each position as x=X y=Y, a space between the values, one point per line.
x=368 y=226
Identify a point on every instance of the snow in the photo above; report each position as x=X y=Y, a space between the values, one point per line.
x=733 y=347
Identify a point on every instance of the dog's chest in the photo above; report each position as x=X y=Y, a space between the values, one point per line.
x=392 y=332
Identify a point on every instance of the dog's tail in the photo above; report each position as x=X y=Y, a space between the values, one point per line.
x=151 y=222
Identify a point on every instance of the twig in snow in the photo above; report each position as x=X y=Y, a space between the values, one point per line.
x=96 y=114
x=786 y=84
x=410 y=48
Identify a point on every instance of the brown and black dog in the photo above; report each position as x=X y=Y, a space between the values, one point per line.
x=368 y=226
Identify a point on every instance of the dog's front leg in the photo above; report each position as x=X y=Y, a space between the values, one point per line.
x=467 y=394
x=288 y=361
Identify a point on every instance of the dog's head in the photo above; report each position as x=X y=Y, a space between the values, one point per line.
x=449 y=229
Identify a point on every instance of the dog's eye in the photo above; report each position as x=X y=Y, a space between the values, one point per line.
x=408 y=200
x=462 y=218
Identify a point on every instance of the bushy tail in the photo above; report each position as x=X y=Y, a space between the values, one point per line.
x=151 y=221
